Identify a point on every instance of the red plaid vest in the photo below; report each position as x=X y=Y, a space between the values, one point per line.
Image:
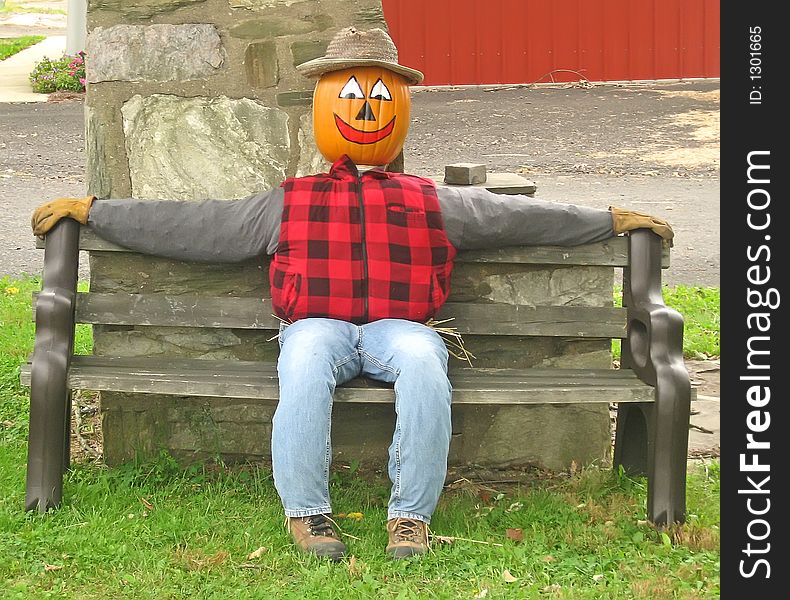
x=360 y=248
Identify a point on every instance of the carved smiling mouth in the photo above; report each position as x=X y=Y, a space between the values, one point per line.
x=352 y=134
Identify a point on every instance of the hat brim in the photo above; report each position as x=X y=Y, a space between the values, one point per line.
x=319 y=66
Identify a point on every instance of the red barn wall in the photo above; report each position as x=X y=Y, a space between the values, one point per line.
x=457 y=42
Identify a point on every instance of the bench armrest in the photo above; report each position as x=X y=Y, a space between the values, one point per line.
x=49 y=394
x=654 y=346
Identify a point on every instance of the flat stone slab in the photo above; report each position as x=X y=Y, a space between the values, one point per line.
x=705 y=430
x=502 y=183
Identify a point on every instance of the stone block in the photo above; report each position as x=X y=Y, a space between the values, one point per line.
x=464 y=174
x=261 y=4
x=303 y=51
x=200 y=148
x=533 y=285
x=140 y=9
x=298 y=98
x=279 y=25
x=153 y=53
x=311 y=161
x=261 y=66
x=97 y=170
x=368 y=17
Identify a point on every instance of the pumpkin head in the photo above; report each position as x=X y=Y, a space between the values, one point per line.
x=362 y=112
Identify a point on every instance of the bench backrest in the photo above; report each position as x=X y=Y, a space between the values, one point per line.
x=475 y=307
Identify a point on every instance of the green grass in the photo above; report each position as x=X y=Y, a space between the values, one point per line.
x=10 y=46
x=164 y=530
x=13 y=7
x=702 y=325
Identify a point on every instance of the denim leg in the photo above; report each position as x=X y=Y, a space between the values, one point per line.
x=315 y=356
x=414 y=357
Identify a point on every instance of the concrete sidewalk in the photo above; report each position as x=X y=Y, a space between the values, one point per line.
x=15 y=70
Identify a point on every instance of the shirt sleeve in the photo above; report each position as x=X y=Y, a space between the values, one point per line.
x=475 y=218
x=206 y=231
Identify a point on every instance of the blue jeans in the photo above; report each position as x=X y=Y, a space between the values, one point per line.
x=318 y=354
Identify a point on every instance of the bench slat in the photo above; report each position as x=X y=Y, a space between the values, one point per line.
x=170 y=364
x=194 y=377
x=611 y=253
x=256 y=313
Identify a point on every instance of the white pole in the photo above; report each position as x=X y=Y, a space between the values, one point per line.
x=76 y=25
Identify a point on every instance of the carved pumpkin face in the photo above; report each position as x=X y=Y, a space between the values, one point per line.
x=362 y=112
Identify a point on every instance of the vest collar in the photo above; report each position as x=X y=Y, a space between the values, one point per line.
x=345 y=168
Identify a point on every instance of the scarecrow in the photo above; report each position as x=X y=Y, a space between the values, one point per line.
x=362 y=259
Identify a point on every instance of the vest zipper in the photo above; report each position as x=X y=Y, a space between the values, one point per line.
x=364 y=250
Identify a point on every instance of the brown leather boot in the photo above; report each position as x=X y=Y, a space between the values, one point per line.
x=316 y=535
x=407 y=537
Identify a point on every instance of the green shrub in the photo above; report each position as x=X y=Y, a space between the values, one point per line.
x=66 y=74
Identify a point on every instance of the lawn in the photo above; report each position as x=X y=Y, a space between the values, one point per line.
x=22 y=7
x=702 y=325
x=10 y=46
x=164 y=530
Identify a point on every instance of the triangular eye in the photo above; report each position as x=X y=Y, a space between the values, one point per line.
x=351 y=89
x=380 y=91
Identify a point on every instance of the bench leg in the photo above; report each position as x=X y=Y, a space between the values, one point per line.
x=668 y=456
x=47 y=450
x=645 y=444
x=50 y=397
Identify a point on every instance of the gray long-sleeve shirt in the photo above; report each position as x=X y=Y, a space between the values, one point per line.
x=237 y=230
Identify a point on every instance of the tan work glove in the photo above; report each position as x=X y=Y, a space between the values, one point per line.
x=626 y=220
x=46 y=215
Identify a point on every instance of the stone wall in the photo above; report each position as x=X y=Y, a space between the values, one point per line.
x=196 y=99
x=191 y=99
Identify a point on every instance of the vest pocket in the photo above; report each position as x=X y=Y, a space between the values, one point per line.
x=292 y=282
x=399 y=207
x=401 y=215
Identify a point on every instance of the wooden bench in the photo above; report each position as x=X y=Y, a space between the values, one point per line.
x=651 y=389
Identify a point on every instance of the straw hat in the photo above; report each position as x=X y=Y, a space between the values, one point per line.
x=354 y=48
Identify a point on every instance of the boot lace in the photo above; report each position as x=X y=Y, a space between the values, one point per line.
x=320 y=525
x=409 y=530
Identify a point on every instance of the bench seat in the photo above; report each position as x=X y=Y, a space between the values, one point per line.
x=258 y=381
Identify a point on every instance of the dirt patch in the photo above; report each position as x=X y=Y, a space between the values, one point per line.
x=700 y=129
x=679 y=130
x=707 y=96
x=66 y=96
x=701 y=126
